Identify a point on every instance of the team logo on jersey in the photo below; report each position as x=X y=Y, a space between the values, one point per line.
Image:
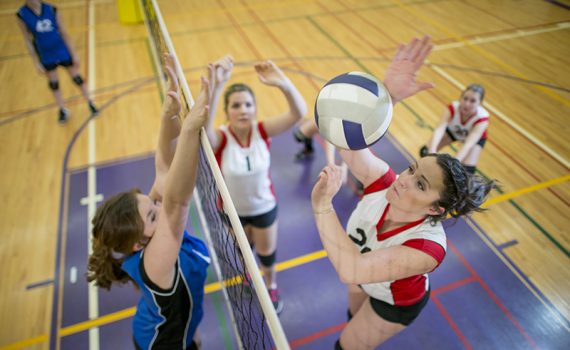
x=44 y=26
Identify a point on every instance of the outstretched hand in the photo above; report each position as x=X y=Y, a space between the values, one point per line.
x=222 y=70
x=270 y=74
x=172 y=104
x=400 y=78
x=327 y=186
x=198 y=114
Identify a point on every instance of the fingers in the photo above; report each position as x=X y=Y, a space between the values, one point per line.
x=425 y=86
x=409 y=49
x=400 y=53
x=423 y=50
x=172 y=79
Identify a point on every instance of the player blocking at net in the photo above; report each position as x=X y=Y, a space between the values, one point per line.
x=142 y=238
x=394 y=237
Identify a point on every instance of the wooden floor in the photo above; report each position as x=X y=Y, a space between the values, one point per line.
x=520 y=51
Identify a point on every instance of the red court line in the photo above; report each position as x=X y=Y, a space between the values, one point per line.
x=452 y=323
x=452 y=285
x=305 y=340
x=491 y=294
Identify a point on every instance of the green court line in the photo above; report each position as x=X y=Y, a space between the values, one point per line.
x=422 y=123
x=216 y=298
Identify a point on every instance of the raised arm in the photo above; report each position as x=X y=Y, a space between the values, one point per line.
x=400 y=80
x=219 y=73
x=380 y=265
x=270 y=74
x=169 y=130
x=161 y=252
x=439 y=131
x=30 y=46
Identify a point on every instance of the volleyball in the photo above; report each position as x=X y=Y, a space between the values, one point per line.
x=353 y=110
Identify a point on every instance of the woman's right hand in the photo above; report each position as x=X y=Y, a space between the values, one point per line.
x=327 y=186
x=223 y=70
x=172 y=104
x=198 y=114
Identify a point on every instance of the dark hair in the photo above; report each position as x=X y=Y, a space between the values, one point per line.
x=117 y=226
x=462 y=192
x=476 y=88
x=239 y=87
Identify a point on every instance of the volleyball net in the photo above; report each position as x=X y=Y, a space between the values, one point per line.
x=254 y=320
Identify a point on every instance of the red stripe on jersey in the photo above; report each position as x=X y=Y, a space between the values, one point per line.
x=237 y=140
x=451 y=111
x=220 y=149
x=431 y=248
x=382 y=183
x=408 y=291
x=263 y=134
x=388 y=234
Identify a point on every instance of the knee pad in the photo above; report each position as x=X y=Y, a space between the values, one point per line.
x=268 y=260
x=78 y=80
x=54 y=85
x=470 y=169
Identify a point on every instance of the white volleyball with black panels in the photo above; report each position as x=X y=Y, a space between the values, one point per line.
x=353 y=110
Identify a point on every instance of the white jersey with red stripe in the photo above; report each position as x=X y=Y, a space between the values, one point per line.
x=246 y=170
x=460 y=130
x=363 y=227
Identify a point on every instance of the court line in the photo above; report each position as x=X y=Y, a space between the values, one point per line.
x=479 y=50
x=285 y=265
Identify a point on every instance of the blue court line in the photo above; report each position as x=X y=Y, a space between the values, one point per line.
x=39 y=284
x=507 y=244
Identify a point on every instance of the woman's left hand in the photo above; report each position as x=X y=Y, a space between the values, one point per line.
x=327 y=186
x=172 y=104
x=270 y=74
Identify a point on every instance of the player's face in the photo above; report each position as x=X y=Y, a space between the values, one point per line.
x=241 y=109
x=417 y=188
x=470 y=100
x=149 y=210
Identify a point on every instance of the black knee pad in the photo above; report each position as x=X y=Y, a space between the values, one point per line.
x=268 y=260
x=470 y=169
x=54 y=85
x=78 y=80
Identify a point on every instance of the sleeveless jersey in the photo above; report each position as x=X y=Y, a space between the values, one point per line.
x=167 y=319
x=246 y=170
x=461 y=130
x=48 y=41
x=363 y=227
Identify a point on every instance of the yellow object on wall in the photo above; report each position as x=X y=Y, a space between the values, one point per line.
x=130 y=11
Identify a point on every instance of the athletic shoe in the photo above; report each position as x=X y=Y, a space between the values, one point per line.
x=276 y=300
x=63 y=115
x=92 y=108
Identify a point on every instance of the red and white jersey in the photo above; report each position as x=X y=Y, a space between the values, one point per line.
x=460 y=129
x=246 y=170
x=363 y=227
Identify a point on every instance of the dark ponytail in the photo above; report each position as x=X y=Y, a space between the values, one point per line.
x=117 y=226
x=463 y=193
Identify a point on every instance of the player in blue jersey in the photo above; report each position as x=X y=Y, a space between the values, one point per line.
x=142 y=239
x=50 y=47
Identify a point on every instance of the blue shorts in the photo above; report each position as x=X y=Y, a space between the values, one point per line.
x=53 y=66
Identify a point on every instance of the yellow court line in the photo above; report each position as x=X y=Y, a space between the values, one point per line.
x=526 y=190
x=479 y=50
x=216 y=286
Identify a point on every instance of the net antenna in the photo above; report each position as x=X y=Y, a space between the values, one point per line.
x=251 y=311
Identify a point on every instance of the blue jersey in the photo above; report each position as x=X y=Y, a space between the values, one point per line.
x=167 y=319
x=48 y=41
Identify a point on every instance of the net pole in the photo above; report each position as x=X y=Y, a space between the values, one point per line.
x=271 y=316
x=272 y=320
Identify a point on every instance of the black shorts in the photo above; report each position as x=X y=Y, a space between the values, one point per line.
x=481 y=141
x=192 y=346
x=399 y=314
x=261 y=220
x=50 y=67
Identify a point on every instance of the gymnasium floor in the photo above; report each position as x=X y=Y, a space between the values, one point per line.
x=479 y=300
x=505 y=282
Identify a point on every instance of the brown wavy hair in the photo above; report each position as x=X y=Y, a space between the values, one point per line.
x=117 y=226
